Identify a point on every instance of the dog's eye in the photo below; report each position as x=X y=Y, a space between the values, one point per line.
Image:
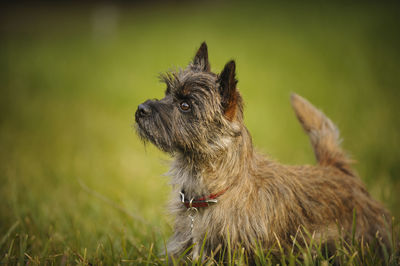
x=184 y=106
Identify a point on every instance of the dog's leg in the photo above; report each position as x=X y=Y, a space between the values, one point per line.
x=177 y=244
x=196 y=251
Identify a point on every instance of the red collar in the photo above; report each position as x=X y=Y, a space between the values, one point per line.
x=201 y=202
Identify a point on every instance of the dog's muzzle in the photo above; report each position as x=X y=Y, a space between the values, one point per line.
x=143 y=110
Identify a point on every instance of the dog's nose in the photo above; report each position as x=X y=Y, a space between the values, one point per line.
x=144 y=109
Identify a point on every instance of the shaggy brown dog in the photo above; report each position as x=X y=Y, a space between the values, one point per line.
x=223 y=187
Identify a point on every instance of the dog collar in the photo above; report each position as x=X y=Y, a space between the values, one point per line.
x=200 y=202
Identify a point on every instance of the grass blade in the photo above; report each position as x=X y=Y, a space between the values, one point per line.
x=7 y=235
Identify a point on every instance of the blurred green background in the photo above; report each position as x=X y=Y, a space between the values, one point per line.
x=76 y=180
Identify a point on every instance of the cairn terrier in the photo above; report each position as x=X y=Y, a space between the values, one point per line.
x=226 y=190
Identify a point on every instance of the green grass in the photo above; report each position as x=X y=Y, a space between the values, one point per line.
x=77 y=185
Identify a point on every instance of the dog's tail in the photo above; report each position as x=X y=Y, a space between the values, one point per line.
x=324 y=135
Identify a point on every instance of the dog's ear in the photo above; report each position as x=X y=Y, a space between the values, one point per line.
x=228 y=91
x=200 y=61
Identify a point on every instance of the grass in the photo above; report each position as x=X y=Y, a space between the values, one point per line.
x=78 y=187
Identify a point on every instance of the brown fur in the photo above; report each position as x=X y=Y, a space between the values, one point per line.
x=264 y=201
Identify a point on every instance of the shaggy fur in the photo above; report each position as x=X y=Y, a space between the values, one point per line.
x=200 y=123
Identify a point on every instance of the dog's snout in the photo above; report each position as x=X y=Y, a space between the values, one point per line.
x=144 y=109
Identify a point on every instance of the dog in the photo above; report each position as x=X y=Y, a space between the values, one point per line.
x=227 y=194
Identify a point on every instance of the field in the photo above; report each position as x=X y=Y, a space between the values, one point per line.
x=78 y=186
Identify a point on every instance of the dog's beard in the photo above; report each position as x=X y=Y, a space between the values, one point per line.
x=149 y=130
x=156 y=131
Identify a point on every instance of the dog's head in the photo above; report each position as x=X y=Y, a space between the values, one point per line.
x=201 y=111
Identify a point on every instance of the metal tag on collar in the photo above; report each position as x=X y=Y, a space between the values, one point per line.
x=211 y=201
x=190 y=204
x=192 y=214
x=182 y=196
